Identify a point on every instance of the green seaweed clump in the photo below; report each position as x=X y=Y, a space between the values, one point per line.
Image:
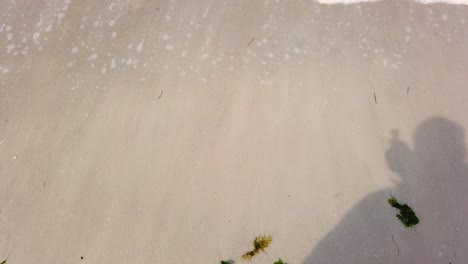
x=407 y=216
x=3 y=262
x=227 y=262
x=259 y=244
x=280 y=261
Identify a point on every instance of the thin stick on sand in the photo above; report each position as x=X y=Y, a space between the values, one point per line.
x=396 y=245
x=251 y=42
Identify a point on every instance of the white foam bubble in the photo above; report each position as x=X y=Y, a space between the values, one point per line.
x=36 y=36
x=92 y=57
x=40 y=22
x=10 y=48
x=140 y=47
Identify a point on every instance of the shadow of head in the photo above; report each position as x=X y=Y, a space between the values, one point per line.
x=438 y=147
x=439 y=138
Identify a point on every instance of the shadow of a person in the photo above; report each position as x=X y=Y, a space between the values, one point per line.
x=434 y=183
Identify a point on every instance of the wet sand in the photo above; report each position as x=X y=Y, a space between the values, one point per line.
x=177 y=131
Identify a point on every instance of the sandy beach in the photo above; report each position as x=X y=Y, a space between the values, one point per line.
x=138 y=131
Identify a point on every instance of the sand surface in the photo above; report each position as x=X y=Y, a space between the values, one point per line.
x=138 y=131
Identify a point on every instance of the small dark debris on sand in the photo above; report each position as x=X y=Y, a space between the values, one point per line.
x=251 y=42
x=279 y=261
x=407 y=216
x=396 y=245
x=159 y=97
x=259 y=244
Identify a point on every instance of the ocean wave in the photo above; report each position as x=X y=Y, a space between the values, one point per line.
x=451 y=2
